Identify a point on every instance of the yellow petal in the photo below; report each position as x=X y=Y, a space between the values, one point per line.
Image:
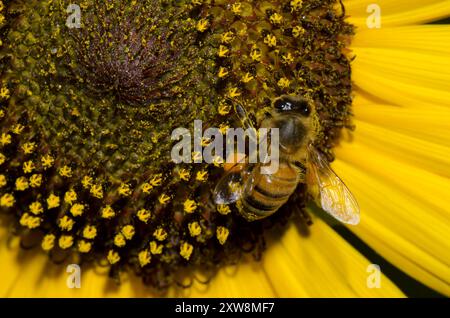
x=403 y=216
x=246 y=279
x=31 y=274
x=421 y=38
x=320 y=265
x=430 y=124
x=398 y=12
x=428 y=156
x=403 y=78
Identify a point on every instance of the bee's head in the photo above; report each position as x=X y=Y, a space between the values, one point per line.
x=294 y=117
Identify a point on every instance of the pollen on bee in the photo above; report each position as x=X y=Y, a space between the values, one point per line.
x=235 y=162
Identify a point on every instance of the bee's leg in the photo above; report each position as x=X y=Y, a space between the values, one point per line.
x=301 y=166
x=302 y=221
x=305 y=217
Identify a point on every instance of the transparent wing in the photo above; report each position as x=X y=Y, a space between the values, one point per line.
x=329 y=190
x=232 y=185
x=238 y=178
x=229 y=188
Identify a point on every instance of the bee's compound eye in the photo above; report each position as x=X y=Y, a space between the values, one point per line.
x=304 y=108
x=283 y=104
x=301 y=106
x=288 y=103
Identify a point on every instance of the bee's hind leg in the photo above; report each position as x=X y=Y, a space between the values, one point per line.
x=305 y=217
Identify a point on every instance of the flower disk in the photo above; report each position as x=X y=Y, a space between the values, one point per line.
x=87 y=114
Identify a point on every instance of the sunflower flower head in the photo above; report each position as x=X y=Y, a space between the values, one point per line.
x=88 y=112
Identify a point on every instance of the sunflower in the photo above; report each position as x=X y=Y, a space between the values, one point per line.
x=77 y=104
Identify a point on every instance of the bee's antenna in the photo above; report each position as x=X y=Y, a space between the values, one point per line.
x=342 y=8
x=243 y=116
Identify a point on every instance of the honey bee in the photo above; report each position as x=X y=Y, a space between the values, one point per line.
x=259 y=195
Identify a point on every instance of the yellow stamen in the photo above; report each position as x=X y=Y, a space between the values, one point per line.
x=284 y=82
x=97 y=191
x=65 y=171
x=66 y=223
x=223 y=51
x=276 y=18
x=128 y=231
x=270 y=40
x=36 y=208
x=86 y=182
x=144 y=215
x=48 y=242
x=119 y=240
x=155 y=248
x=4 y=91
x=30 y=221
x=222 y=234
x=202 y=25
x=22 y=184
x=28 y=166
x=144 y=258
x=297 y=31
x=256 y=55
x=124 y=190
x=224 y=109
x=296 y=4
x=65 y=241
x=70 y=197
x=222 y=72
x=201 y=175
x=288 y=58
x=36 y=180
x=186 y=250
x=184 y=174
x=194 y=229
x=52 y=201
x=7 y=200
x=223 y=209
x=113 y=257
x=84 y=246
x=77 y=209
x=247 y=77
x=3 y=180
x=5 y=139
x=107 y=212
x=227 y=37
x=163 y=199
x=89 y=232
x=233 y=92
x=146 y=188
x=189 y=206
x=28 y=147
x=47 y=161
x=236 y=8
x=18 y=129
x=160 y=234
x=156 y=181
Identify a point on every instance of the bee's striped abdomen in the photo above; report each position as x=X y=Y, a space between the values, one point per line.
x=269 y=192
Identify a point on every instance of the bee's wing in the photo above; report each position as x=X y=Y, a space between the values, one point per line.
x=236 y=181
x=231 y=186
x=329 y=190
